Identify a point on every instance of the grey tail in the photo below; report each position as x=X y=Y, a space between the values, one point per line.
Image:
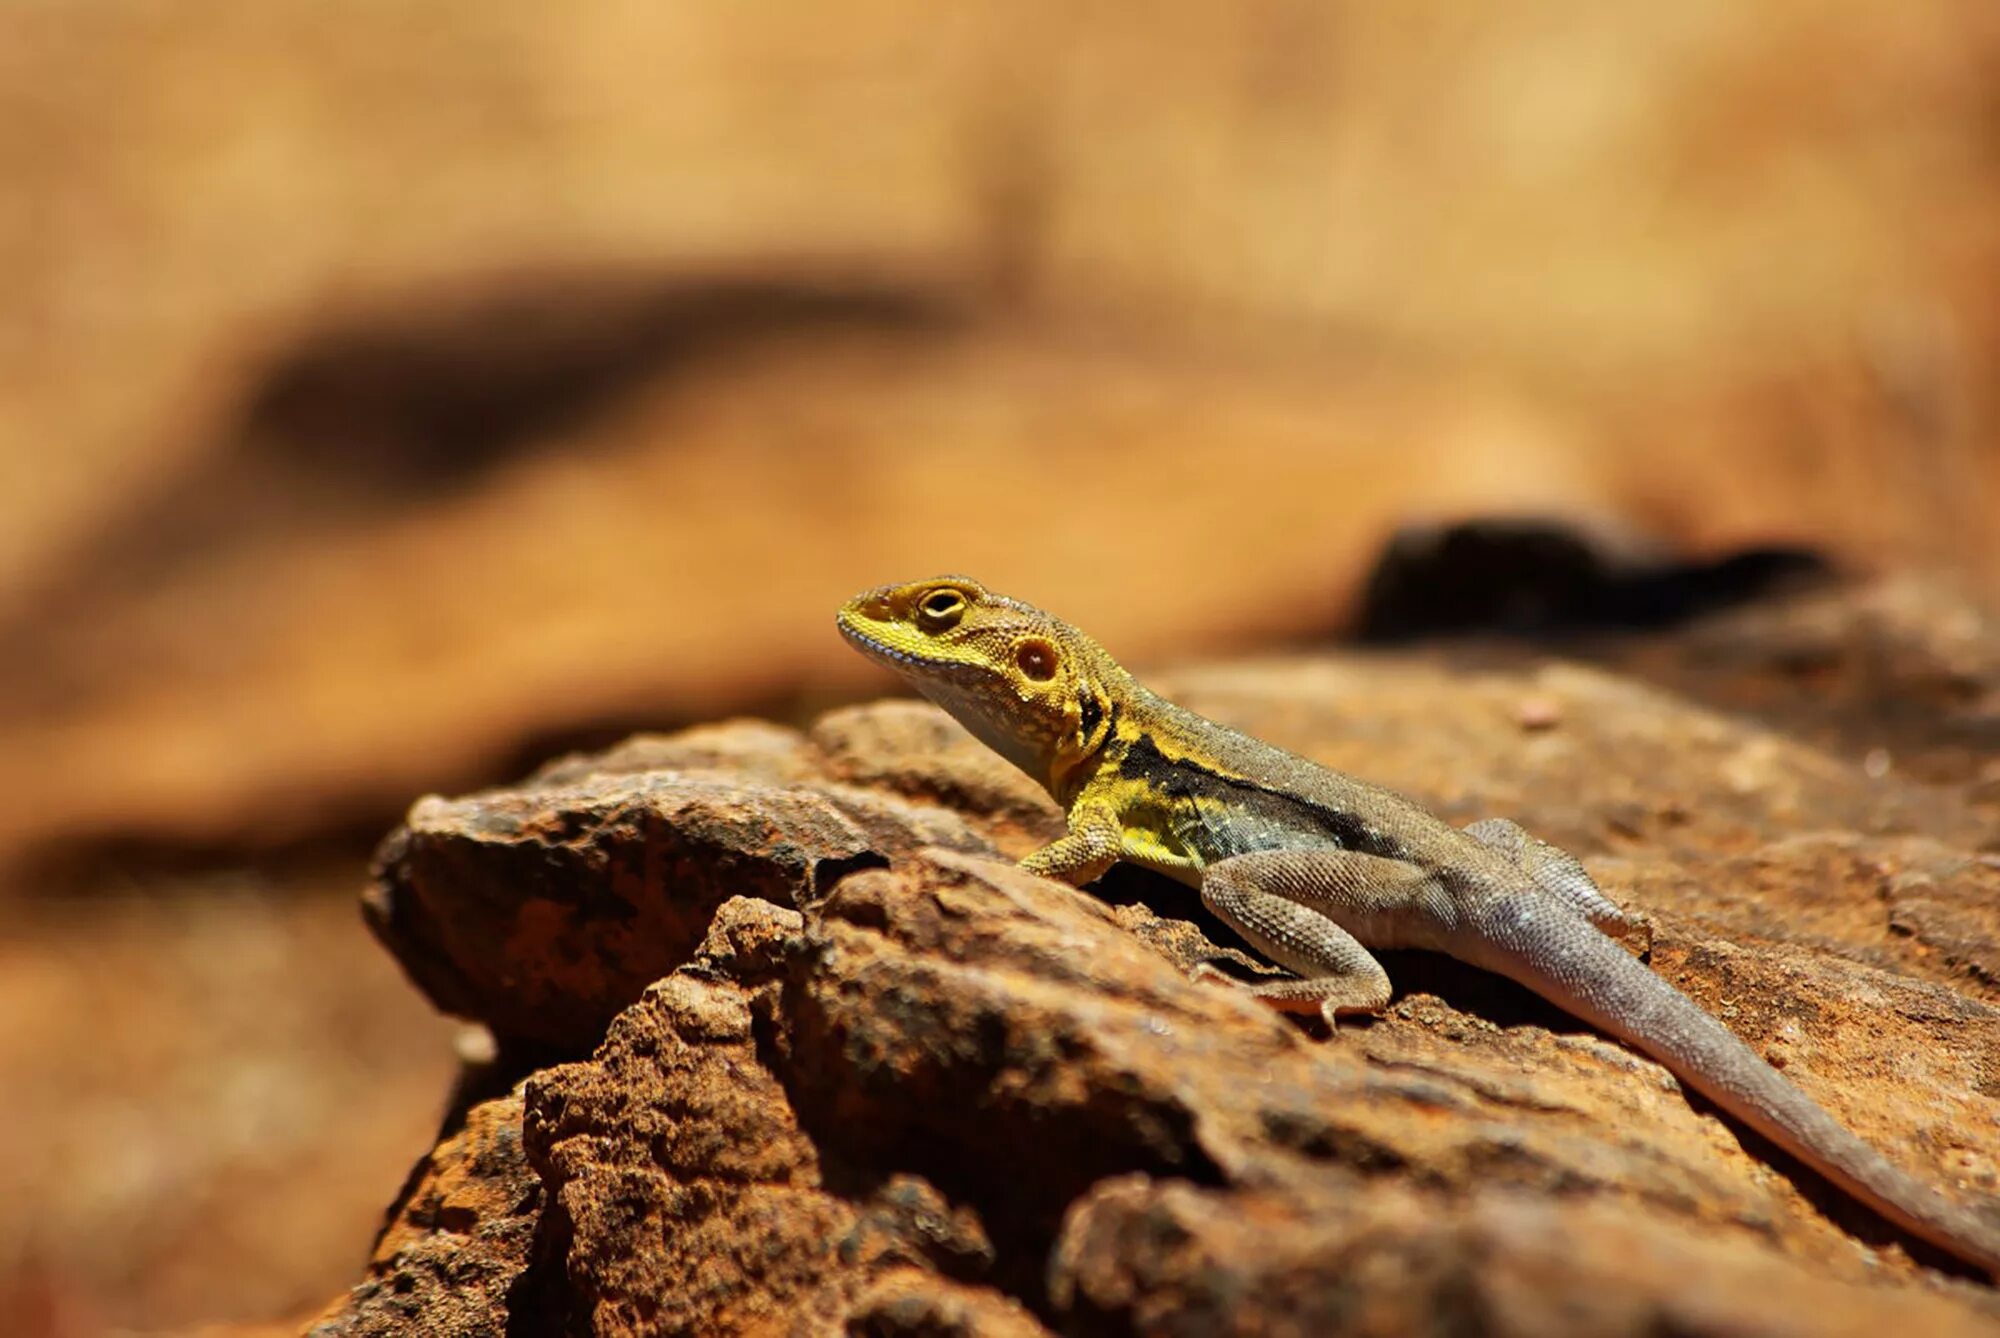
x=1553 y=951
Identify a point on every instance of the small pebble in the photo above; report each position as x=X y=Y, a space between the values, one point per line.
x=474 y=1044
x=1538 y=713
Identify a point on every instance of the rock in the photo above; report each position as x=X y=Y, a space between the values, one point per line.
x=543 y=911
x=458 y=1242
x=840 y=1066
x=1380 y=1260
x=1900 y=673
x=691 y=1197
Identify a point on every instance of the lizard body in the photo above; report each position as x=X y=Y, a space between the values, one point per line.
x=1314 y=867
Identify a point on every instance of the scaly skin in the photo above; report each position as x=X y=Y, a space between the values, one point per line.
x=1314 y=868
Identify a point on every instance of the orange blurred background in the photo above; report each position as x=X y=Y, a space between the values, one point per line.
x=393 y=393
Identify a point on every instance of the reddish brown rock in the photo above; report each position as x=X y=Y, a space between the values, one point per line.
x=358 y=428
x=687 y=1196
x=544 y=910
x=891 y=1084
x=1897 y=674
x=459 y=1241
x=1321 y=1256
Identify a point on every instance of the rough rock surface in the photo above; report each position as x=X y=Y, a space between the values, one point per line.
x=835 y=1065
x=543 y=911
x=461 y=1236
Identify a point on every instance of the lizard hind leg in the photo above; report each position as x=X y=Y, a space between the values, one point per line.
x=1337 y=976
x=1562 y=876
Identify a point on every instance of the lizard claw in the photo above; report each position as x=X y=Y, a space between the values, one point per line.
x=1208 y=973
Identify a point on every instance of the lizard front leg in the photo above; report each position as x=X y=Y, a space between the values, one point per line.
x=1285 y=902
x=1083 y=853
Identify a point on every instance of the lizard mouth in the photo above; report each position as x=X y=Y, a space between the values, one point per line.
x=874 y=649
x=934 y=667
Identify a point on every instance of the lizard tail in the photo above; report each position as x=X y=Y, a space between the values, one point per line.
x=1560 y=956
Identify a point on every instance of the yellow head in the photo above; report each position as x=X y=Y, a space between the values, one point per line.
x=1030 y=686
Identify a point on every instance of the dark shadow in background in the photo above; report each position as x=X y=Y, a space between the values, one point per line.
x=1774 y=634
x=378 y=412
x=1543 y=576
x=421 y=399
x=383 y=410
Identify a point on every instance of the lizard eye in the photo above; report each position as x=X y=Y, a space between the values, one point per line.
x=941 y=609
x=1036 y=659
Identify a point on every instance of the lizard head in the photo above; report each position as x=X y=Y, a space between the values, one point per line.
x=1030 y=686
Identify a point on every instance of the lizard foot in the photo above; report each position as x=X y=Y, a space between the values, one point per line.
x=1332 y=997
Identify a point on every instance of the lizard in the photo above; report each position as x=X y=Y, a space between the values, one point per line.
x=1313 y=867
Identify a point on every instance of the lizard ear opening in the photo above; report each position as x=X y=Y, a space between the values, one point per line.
x=1036 y=659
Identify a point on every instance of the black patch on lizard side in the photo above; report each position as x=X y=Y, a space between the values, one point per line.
x=1090 y=714
x=1184 y=778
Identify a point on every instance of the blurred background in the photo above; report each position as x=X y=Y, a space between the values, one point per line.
x=392 y=394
